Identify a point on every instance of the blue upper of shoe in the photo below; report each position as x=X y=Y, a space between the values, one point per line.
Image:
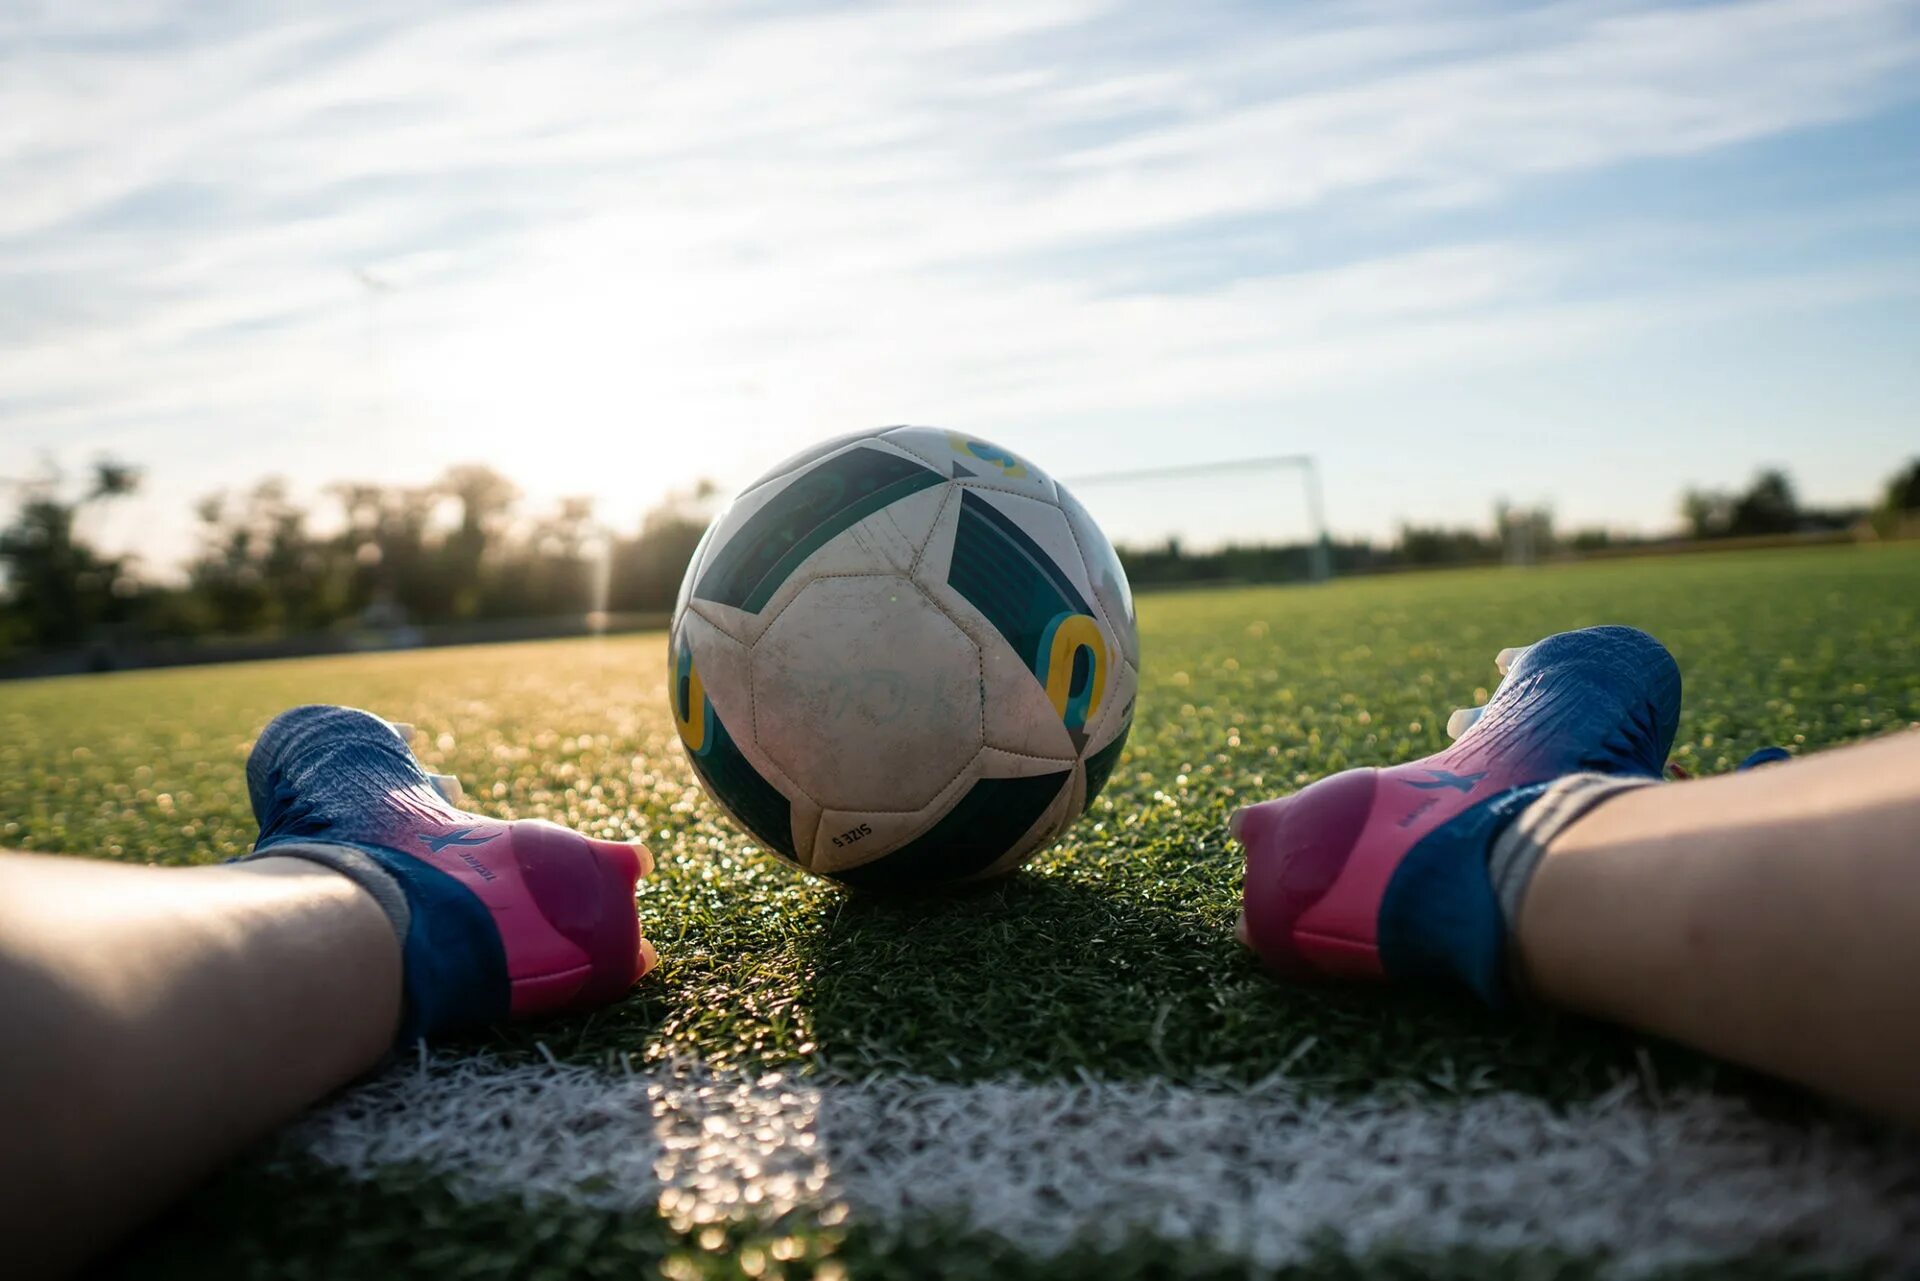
x=1604 y=700
x=1601 y=700
x=341 y=776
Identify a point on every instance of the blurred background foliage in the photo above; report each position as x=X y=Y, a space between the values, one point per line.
x=465 y=551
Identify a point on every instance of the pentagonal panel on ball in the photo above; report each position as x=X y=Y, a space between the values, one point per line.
x=866 y=695
x=833 y=515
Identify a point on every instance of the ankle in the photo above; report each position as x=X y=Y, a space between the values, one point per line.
x=1517 y=852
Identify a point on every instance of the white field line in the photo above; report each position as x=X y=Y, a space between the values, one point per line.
x=1254 y=1172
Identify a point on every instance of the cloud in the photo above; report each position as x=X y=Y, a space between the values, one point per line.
x=412 y=233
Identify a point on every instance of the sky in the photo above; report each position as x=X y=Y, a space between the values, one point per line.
x=1580 y=254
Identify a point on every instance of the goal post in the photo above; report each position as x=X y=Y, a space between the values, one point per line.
x=1320 y=558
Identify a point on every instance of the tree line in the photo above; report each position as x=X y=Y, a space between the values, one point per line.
x=465 y=549
x=1767 y=507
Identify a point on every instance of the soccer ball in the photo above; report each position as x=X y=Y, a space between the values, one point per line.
x=904 y=657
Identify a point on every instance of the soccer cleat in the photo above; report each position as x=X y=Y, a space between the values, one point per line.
x=1383 y=872
x=500 y=919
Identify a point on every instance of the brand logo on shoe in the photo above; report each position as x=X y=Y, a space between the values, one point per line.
x=458 y=840
x=1446 y=778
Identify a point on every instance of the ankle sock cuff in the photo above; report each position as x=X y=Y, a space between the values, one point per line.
x=1517 y=851
x=357 y=866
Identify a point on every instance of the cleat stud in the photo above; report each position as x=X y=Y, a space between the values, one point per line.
x=449 y=788
x=1463 y=719
x=1236 y=821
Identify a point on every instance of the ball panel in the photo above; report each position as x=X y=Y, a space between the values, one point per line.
x=842 y=844
x=866 y=695
x=888 y=538
x=693 y=569
x=1015 y=564
x=763 y=550
x=915 y=518
x=1103 y=745
x=1100 y=763
x=700 y=651
x=1020 y=718
x=1107 y=576
x=1046 y=829
x=1117 y=714
x=1000 y=565
x=998 y=763
x=810 y=455
x=701 y=654
x=994 y=816
x=977 y=462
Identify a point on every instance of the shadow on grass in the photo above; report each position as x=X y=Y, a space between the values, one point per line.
x=1031 y=975
x=1126 y=970
x=1046 y=976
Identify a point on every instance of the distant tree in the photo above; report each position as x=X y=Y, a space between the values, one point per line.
x=549 y=569
x=1899 y=508
x=59 y=587
x=486 y=501
x=1708 y=512
x=1903 y=489
x=392 y=538
x=1768 y=507
x=1437 y=546
x=646 y=570
x=258 y=568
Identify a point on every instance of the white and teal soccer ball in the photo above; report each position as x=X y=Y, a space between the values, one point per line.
x=903 y=658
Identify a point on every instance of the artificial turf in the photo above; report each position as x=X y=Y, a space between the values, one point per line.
x=1110 y=955
x=294 y=1221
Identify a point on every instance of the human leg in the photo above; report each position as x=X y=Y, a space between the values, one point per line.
x=1770 y=917
x=153 y=1021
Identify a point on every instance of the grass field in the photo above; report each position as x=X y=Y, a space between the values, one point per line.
x=1108 y=961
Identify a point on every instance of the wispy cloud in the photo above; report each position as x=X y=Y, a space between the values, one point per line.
x=375 y=237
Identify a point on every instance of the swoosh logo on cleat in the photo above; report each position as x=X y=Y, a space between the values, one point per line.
x=1446 y=778
x=458 y=836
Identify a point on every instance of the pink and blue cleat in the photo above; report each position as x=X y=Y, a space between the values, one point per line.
x=496 y=919
x=1383 y=873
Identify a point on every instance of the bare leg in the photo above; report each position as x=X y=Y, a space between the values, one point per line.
x=1771 y=917
x=155 y=1020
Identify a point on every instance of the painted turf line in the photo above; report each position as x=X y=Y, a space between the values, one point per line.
x=1257 y=1172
